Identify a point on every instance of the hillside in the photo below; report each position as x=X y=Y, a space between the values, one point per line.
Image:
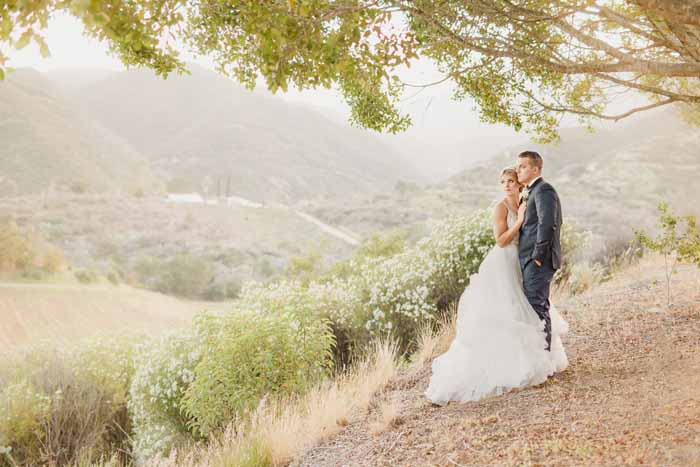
x=201 y=129
x=61 y=314
x=46 y=140
x=629 y=397
x=610 y=181
x=114 y=234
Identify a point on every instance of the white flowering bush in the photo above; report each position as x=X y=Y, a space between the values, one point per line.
x=413 y=286
x=164 y=370
x=376 y=294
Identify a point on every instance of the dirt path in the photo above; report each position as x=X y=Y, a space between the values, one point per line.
x=631 y=395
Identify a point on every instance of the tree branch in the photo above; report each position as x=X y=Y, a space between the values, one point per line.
x=581 y=111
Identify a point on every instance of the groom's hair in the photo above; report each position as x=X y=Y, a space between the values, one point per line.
x=534 y=157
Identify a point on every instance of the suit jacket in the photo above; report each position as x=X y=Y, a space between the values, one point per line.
x=541 y=229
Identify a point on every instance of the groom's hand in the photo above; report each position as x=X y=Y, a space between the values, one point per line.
x=538 y=263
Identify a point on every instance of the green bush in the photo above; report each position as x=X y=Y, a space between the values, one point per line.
x=113 y=277
x=23 y=411
x=251 y=355
x=85 y=276
x=185 y=275
x=222 y=291
x=305 y=268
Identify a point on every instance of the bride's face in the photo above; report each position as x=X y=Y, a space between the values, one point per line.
x=510 y=185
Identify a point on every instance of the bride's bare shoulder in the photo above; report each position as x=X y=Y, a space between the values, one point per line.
x=500 y=210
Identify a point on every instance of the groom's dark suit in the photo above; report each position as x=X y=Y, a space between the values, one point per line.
x=540 y=240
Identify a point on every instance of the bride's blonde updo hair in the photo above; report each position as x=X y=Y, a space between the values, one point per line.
x=511 y=172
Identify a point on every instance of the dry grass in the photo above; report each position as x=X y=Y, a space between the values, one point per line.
x=281 y=430
x=63 y=314
x=431 y=342
x=387 y=416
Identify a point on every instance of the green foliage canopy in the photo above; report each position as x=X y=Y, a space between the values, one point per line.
x=525 y=63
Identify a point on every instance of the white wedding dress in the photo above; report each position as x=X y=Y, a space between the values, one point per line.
x=500 y=342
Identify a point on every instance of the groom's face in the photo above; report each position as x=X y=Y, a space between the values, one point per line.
x=527 y=171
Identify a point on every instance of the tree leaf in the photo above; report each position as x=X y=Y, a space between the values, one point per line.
x=24 y=39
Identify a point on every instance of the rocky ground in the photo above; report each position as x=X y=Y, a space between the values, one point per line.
x=631 y=394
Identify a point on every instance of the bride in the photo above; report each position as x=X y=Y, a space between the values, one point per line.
x=500 y=342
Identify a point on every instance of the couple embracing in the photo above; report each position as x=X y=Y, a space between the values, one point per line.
x=508 y=334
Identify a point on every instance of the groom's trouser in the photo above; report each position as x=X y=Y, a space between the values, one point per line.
x=536 y=281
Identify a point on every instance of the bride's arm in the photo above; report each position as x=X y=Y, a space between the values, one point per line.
x=503 y=234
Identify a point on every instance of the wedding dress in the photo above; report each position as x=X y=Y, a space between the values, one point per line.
x=500 y=342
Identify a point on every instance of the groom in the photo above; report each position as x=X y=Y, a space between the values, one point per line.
x=540 y=248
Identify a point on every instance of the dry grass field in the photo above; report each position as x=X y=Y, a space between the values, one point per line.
x=63 y=314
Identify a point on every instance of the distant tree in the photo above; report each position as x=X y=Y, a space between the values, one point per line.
x=305 y=268
x=17 y=251
x=404 y=187
x=525 y=63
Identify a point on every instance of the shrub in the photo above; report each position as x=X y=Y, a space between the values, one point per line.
x=164 y=368
x=574 y=244
x=675 y=242
x=305 y=268
x=17 y=251
x=222 y=291
x=185 y=275
x=412 y=287
x=113 y=277
x=22 y=413
x=59 y=407
x=53 y=260
x=382 y=246
x=264 y=267
x=250 y=355
x=584 y=276
x=85 y=276
x=79 y=186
